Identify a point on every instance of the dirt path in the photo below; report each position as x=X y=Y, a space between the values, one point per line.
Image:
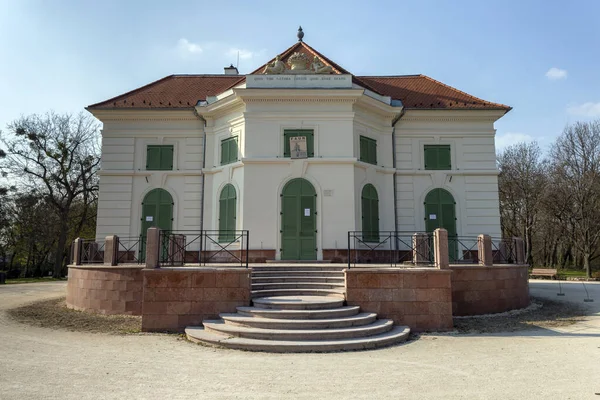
x=546 y=363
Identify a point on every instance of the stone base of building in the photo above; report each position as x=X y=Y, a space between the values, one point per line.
x=478 y=290
x=178 y=297
x=418 y=298
x=170 y=298
x=106 y=290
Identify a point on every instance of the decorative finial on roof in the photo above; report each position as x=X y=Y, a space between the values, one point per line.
x=300 y=34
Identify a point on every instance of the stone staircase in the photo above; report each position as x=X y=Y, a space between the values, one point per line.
x=298 y=309
x=298 y=280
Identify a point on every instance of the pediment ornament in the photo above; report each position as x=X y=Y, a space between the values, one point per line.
x=298 y=64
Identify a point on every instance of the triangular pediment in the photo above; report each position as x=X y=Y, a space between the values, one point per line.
x=298 y=59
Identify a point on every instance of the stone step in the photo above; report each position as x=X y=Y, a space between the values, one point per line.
x=298 y=272
x=299 y=302
x=298 y=292
x=297 y=285
x=296 y=278
x=340 y=312
x=302 y=267
x=299 y=324
x=397 y=334
x=375 y=328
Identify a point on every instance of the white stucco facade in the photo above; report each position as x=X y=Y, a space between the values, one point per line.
x=338 y=111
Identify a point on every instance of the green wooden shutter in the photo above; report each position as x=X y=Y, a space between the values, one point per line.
x=372 y=148
x=153 y=158
x=310 y=144
x=363 y=149
x=233 y=149
x=444 y=161
x=437 y=157
x=430 y=156
x=229 y=150
x=227 y=214
x=166 y=158
x=286 y=143
x=224 y=152
x=370 y=213
x=368 y=150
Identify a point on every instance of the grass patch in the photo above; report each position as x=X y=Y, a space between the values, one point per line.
x=55 y=314
x=547 y=314
x=33 y=280
x=571 y=272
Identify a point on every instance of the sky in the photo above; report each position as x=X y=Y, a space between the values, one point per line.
x=540 y=57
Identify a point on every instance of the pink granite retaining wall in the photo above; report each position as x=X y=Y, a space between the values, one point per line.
x=480 y=290
x=418 y=298
x=177 y=297
x=105 y=290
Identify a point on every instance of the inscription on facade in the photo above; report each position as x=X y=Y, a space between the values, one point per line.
x=299 y=81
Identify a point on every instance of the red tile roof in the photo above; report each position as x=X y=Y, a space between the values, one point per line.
x=423 y=92
x=184 y=91
x=173 y=91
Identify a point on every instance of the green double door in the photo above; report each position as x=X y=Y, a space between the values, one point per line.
x=440 y=212
x=298 y=221
x=157 y=211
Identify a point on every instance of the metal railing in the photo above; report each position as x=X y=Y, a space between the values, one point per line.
x=131 y=250
x=463 y=250
x=92 y=251
x=177 y=248
x=390 y=247
x=504 y=251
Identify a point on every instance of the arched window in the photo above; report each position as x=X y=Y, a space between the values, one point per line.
x=227 y=208
x=370 y=213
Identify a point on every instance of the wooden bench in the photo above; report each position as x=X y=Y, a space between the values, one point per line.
x=552 y=273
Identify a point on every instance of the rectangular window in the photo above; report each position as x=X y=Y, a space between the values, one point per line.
x=368 y=150
x=307 y=133
x=229 y=150
x=437 y=157
x=159 y=158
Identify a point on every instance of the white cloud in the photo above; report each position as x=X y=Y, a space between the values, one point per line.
x=556 y=73
x=186 y=47
x=509 y=138
x=588 y=109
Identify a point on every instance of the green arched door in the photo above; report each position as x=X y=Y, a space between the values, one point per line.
x=440 y=212
x=157 y=210
x=298 y=221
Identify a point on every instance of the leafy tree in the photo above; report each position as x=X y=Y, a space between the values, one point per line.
x=56 y=158
x=522 y=182
x=576 y=185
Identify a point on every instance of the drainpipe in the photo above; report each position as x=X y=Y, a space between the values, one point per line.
x=203 y=170
x=394 y=164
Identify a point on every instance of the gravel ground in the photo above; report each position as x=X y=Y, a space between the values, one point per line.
x=53 y=313
x=554 y=362
x=542 y=313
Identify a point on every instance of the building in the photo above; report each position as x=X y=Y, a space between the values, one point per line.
x=298 y=152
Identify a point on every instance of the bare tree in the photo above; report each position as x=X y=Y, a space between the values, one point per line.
x=575 y=178
x=56 y=157
x=521 y=183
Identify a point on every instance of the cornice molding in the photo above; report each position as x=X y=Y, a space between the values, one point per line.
x=452 y=115
x=109 y=172
x=145 y=115
x=458 y=172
